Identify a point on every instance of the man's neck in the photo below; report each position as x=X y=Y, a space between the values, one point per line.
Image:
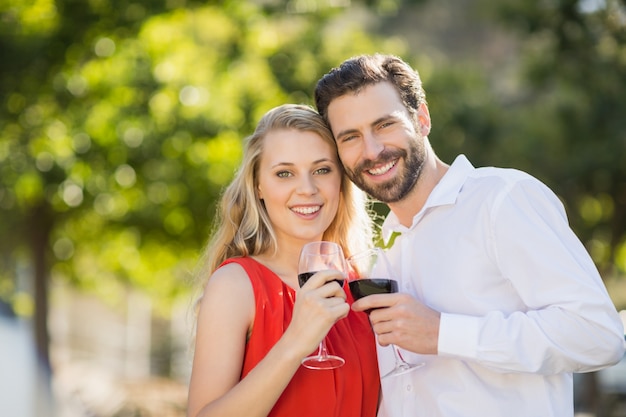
x=432 y=172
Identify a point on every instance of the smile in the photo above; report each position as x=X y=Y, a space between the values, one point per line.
x=383 y=169
x=306 y=210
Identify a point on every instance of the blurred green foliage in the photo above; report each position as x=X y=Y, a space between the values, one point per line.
x=553 y=105
x=120 y=122
x=573 y=67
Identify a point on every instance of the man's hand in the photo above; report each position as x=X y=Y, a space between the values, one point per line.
x=402 y=320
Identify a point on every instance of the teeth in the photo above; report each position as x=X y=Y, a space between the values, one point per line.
x=381 y=170
x=306 y=210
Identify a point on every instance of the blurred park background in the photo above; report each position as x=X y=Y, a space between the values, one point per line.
x=121 y=121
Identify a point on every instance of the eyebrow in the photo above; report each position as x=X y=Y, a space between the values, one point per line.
x=318 y=161
x=374 y=123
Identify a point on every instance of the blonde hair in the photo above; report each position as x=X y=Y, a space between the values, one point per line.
x=242 y=226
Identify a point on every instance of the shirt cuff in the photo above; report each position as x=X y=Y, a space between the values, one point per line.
x=458 y=335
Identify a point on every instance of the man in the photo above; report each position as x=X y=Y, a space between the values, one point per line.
x=498 y=297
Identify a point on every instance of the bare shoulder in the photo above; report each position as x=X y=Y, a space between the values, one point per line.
x=229 y=277
x=229 y=286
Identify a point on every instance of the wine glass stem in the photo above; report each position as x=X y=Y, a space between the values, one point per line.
x=399 y=359
x=322 y=350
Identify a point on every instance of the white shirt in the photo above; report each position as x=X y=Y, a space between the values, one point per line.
x=522 y=304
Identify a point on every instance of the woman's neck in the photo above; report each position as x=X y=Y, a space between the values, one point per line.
x=283 y=263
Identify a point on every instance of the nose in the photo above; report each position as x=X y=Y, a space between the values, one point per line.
x=372 y=147
x=307 y=185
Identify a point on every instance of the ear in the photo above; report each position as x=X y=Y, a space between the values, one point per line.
x=423 y=119
x=259 y=193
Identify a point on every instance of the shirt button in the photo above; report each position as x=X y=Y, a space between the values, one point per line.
x=409 y=388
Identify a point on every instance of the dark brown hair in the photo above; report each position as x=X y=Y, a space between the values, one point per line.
x=358 y=72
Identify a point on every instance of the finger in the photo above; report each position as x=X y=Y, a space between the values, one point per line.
x=328 y=311
x=342 y=310
x=384 y=339
x=322 y=277
x=382 y=326
x=337 y=307
x=323 y=299
x=372 y=302
x=330 y=288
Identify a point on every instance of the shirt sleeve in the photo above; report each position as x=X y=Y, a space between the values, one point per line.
x=569 y=324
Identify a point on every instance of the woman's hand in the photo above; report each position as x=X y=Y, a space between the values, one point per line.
x=320 y=302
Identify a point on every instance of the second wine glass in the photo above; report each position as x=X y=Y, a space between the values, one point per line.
x=374 y=277
x=315 y=257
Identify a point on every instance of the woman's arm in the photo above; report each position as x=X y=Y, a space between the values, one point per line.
x=226 y=315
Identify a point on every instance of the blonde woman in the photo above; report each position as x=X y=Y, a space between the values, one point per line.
x=254 y=323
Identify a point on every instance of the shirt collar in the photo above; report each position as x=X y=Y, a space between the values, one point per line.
x=444 y=193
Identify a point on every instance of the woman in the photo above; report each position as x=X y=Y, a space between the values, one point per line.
x=255 y=325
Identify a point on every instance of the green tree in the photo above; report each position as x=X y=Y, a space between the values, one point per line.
x=569 y=121
x=550 y=101
x=121 y=122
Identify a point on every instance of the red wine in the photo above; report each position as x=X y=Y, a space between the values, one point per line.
x=304 y=277
x=367 y=286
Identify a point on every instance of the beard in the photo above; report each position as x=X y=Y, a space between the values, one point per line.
x=396 y=188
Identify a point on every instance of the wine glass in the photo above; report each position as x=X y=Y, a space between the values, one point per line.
x=315 y=257
x=373 y=277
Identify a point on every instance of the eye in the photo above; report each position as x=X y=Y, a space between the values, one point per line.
x=283 y=174
x=323 y=170
x=348 y=138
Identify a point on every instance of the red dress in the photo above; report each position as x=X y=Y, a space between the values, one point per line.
x=348 y=391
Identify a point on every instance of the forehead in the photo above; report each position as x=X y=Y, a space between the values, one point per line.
x=292 y=146
x=374 y=101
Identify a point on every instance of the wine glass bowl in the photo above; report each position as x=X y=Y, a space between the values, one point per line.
x=368 y=286
x=373 y=274
x=315 y=257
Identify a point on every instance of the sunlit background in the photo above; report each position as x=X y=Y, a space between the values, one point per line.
x=122 y=120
